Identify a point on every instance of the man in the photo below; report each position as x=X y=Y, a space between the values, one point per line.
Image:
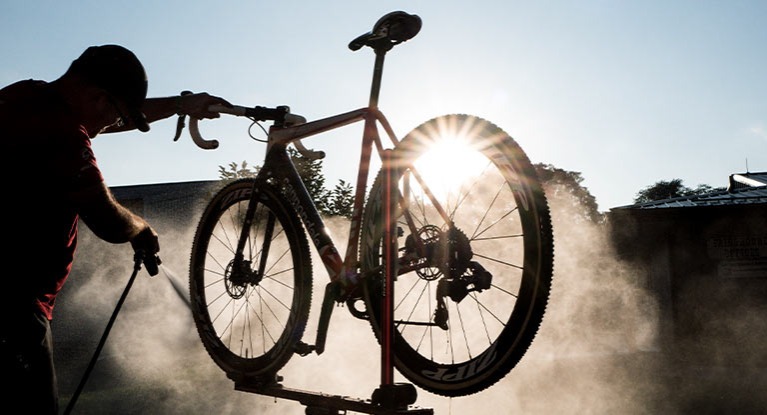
x=50 y=181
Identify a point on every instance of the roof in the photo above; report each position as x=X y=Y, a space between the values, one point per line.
x=742 y=180
x=162 y=191
x=744 y=189
x=169 y=203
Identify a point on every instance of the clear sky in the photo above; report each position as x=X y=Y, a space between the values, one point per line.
x=626 y=92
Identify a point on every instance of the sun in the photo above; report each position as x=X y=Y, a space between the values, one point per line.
x=449 y=164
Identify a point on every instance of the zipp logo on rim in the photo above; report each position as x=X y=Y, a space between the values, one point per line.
x=465 y=371
x=243 y=193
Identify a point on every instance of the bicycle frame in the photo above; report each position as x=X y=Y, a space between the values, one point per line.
x=343 y=272
x=278 y=165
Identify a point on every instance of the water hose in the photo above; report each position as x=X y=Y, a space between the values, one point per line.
x=152 y=269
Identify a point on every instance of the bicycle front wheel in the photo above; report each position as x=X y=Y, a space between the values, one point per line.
x=251 y=309
x=475 y=255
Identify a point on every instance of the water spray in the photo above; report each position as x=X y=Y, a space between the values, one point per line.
x=175 y=282
x=151 y=263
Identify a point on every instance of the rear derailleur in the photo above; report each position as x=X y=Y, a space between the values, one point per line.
x=477 y=280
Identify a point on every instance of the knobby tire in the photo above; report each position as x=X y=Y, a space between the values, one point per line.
x=250 y=322
x=498 y=219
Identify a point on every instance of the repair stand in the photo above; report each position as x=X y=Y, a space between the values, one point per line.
x=390 y=398
x=317 y=403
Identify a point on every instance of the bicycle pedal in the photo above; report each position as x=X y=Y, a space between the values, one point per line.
x=302 y=349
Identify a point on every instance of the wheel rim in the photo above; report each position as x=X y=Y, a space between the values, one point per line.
x=456 y=329
x=246 y=311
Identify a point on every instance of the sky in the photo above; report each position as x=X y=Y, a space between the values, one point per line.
x=627 y=93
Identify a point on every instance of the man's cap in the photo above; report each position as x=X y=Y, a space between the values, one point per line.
x=119 y=72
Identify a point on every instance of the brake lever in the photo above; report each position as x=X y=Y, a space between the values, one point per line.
x=181 y=122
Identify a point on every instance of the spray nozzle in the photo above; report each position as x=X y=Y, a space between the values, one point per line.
x=151 y=262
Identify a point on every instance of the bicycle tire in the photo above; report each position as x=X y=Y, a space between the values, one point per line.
x=249 y=325
x=496 y=326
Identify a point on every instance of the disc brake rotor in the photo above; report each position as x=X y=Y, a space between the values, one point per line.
x=237 y=276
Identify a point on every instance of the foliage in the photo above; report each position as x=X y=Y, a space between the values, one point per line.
x=336 y=202
x=341 y=200
x=237 y=172
x=563 y=184
x=669 y=189
x=311 y=173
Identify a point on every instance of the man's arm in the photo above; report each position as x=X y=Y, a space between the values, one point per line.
x=112 y=222
x=194 y=105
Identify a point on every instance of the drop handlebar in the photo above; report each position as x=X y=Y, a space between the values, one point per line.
x=280 y=115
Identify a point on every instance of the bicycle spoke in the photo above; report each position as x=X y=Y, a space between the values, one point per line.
x=480 y=304
x=504 y=291
x=404 y=297
x=476 y=234
x=285 y=306
x=211 y=283
x=223 y=295
x=463 y=330
x=426 y=329
x=499 y=261
x=261 y=320
x=274 y=274
x=227 y=327
x=415 y=305
x=495 y=238
x=263 y=326
x=451 y=343
x=223 y=228
x=243 y=346
x=474 y=185
x=275 y=263
x=482 y=317
x=223 y=243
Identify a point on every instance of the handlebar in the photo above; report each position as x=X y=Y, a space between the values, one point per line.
x=280 y=115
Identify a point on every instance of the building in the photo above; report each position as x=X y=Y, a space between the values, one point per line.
x=705 y=259
x=167 y=205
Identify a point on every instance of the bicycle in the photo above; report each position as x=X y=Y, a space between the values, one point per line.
x=474 y=253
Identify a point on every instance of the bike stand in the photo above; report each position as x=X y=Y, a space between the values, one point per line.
x=390 y=398
x=318 y=403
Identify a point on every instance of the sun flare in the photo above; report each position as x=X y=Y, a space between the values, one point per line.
x=450 y=163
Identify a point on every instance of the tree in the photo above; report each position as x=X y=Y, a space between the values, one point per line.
x=566 y=185
x=310 y=171
x=237 y=172
x=669 y=189
x=341 y=200
x=337 y=202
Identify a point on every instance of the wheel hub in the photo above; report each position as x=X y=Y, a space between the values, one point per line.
x=238 y=275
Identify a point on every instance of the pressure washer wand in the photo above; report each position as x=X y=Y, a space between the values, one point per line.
x=151 y=265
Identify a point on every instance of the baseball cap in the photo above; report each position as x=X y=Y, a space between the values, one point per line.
x=119 y=72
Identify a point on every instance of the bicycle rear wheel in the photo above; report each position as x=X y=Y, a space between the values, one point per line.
x=250 y=311
x=474 y=279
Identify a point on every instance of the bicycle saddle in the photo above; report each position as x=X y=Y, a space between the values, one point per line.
x=391 y=29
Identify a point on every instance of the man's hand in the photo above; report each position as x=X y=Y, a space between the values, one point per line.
x=146 y=245
x=196 y=105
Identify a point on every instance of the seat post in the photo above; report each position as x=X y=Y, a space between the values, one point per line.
x=375 y=88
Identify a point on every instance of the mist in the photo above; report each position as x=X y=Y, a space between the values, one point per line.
x=598 y=349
